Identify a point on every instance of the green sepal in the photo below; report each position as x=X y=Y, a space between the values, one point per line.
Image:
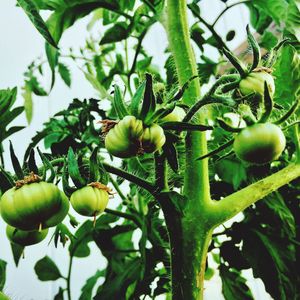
x=74 y=170
x=171 y=155
x=185 y=126
x=68 y=190
x=136 y=99
x=47 y=165
x=94 y=168
x=255 y=49
x=219 y=149
x=31 y=162
x=292 y=109
x=223 y=124
x=235 y=62
x=268 y=105
x=6 y=180
x=15 y=162
x=118 y=103
x=149 y=101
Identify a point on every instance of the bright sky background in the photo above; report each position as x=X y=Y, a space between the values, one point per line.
x=20 y=43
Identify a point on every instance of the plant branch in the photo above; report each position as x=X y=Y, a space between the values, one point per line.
x=227 y=8
x=125 y=216
x=130 y=177
x=161 y=176
x=235 y=203
x=68 y=279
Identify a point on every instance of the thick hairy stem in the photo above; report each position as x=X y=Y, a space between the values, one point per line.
x=196 y=180
x=240 y=200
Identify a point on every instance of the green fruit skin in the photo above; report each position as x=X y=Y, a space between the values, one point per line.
x=153 y=138
x=25 y=238
x=3 y=297
x=259 y=143
x=34 y=206
x=254 y=83
x=89 y=201
x=176 y=115
x=123 y=139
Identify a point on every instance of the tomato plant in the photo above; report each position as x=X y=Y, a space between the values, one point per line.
x=183 y=148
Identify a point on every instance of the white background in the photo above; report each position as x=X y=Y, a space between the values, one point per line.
x=20 y=44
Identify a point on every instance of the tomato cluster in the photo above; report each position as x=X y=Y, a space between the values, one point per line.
x=130 y=137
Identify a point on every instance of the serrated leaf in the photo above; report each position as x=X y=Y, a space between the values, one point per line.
x=32 y=12
x=65 y=74
x=2 y=273
x=87 y=289
x=118 y=32
x=234 y=285
x=46 y=269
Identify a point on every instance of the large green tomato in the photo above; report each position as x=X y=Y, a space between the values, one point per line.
x=123 y=140
x=260 y=143
x=254 y=83
x=89 y=201
x=176 y=115
x=25 y=238
x=153 y=138
x=34 y=206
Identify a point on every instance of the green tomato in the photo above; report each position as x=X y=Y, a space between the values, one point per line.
x=25 y=238
x=123 y=140
x=153 y=138
x=3 y=297
x=176 y=115
x=34 y=206
x=254 y=83
x=89 y=201
x=260 y=143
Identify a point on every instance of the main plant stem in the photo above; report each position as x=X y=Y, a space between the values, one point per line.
x=190 y=232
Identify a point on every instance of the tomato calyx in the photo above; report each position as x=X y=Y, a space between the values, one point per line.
x=107 y=125
x=101 y=186
x=263 y=69
x=31 y=178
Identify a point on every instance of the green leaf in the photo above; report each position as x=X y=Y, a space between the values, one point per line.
x=65 y=74
x=2 y=273
x=74 y=169
x=293 y=20
x=268 y=40
x=35 y=86
x=46 y=269
x=287 y=76
x=60 y=294
x=273 y=261
x=276 y=9
x=143 y=64
x=28 y=103
x=118 y=104
x=32 y=12
x=87 y=289
x=234 y=285
x=10 y=131
x=118 y=32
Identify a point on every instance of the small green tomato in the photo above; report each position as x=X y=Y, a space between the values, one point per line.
x=260 y=143
x=176 y=115
x=254 y=83
x=153 y=138
x=123 y=139
x=25 y=238
x=89 y=201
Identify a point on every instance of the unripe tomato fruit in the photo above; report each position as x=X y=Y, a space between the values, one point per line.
x=123 y=139
x=260 y=143
x=176 y=115
x=34 y=206
x=89 y=201
x=254 y=83
x=25 y=238
x=153 y=138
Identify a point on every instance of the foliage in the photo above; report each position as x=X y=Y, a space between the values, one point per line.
x=265 y=240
